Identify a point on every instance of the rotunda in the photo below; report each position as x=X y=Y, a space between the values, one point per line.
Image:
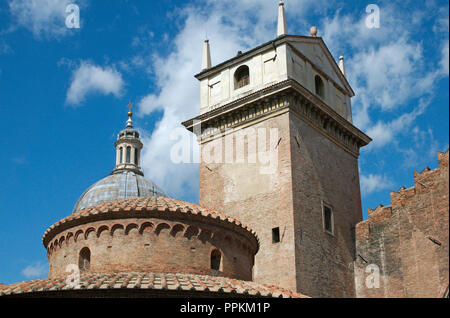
x=126 y=238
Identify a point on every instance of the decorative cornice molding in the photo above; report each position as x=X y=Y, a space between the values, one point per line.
x=287 y=95
x=129 y=140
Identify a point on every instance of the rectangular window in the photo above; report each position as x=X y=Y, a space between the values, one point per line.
x=276 y=235
x=328 y=219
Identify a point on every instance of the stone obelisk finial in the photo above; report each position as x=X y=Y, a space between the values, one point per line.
x=342 y=65
x=206 y=59
x=282 y=26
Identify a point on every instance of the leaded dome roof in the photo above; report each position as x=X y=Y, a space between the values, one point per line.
x=120 y=185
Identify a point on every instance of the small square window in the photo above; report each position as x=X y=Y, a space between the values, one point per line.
x=276 y=235
x=328 y=219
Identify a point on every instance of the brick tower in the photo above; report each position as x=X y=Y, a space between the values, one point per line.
x=280 y=153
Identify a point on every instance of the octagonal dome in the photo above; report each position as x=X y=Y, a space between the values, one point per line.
x=120 y=185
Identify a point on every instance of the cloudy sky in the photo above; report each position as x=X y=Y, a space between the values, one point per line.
x=63 y=94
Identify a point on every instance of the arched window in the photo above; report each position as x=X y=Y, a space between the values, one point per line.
x=84 y=260
x=136 y=153
x=320 y=87
x=121 y=155
x=241 y=77
x=216 y=258
x=128 y=154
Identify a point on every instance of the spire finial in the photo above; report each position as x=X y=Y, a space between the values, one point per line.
x=206 y=59
x=282 y=26
x=130 y=114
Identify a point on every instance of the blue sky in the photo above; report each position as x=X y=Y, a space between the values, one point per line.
x=63 y=93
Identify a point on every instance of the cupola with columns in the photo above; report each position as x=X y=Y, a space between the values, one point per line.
x=128 y=148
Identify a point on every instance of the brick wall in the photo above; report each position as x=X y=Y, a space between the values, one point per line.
x=262 y=201
x=323 y=173
x=408 y=240
x=152 y=245
x=311 y=170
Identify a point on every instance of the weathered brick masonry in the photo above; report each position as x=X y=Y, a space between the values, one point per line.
x=151 y=235
x=316 y=164
x=408 y=240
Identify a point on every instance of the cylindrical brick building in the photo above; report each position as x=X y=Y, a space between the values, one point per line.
x=126 y=238
x=156 y=234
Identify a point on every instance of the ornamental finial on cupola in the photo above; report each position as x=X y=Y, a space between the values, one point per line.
x=130 y=114
x=128 y=148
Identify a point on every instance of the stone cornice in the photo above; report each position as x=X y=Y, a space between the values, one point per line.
x=129 y=140
x=287 y=95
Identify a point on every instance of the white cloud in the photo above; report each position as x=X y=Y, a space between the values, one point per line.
x=374 y=183
x=42 y=17
x=35 y=270
x=386 y=68
x=383 y=133
x=445 y=58
x=388 y=75
x=89 y=79
x=441 y=27
x=5 y=48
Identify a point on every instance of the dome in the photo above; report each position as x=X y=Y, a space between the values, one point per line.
x=120 y=185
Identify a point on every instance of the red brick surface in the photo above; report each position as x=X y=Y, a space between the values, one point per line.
x=158 y=235
x=408 y=240
x=311 y=169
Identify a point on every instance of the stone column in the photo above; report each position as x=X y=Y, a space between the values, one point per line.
x=133 y=153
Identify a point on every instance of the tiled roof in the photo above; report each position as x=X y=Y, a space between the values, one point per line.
x=152 y=281
x=142 y=204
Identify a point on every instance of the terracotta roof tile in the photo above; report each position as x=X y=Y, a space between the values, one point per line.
x=155 y=281
x=162 y=204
